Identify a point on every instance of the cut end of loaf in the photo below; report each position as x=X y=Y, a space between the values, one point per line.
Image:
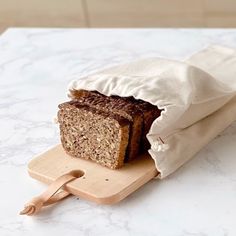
x=92 y=134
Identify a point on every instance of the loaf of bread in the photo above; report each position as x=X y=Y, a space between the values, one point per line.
x=110 y=130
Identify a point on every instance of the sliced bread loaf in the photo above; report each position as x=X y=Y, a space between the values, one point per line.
x=119 y=106
x=107 y=129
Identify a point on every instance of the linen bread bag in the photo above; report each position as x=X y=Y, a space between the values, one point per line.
x=197 y=99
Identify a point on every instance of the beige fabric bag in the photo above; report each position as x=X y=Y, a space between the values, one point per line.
x=197 y=97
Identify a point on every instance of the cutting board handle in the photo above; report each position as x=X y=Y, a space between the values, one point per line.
x=53 y=194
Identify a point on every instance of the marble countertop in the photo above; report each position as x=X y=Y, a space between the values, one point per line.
x=35 y=68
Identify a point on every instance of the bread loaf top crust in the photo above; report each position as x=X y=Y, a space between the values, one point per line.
x=121 y=120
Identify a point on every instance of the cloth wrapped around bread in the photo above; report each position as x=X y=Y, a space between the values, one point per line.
x=109 y=130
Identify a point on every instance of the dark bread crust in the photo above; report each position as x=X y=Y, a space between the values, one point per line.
x=149 y=117
x=93 y=134
x=150 y=113
x=76 y=94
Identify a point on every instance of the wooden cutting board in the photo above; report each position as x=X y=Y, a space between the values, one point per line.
x=97 y=183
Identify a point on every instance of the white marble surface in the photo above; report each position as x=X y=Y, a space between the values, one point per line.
x=35 y=66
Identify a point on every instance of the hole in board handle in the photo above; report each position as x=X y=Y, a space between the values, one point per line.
x=77 y=173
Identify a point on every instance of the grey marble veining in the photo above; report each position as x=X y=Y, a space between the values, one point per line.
x=35 y=68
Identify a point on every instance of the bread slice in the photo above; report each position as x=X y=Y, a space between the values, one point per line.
x=149 y=116
x=150 y=113
x=90 y=133
x=120 y=106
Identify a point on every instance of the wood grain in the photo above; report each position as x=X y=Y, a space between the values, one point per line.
x=98 y=184
x=122 y=13
x=149 y=13
x=43 y=13
x=220 y=6
x=221 y=21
